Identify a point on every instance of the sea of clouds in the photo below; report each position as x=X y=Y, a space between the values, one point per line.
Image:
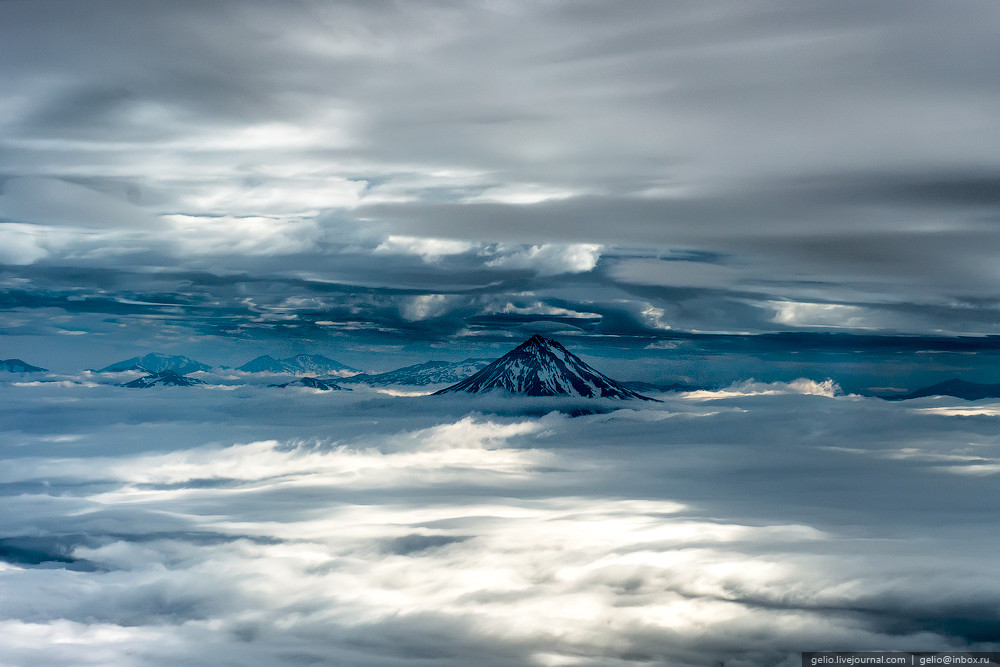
x=276 y=527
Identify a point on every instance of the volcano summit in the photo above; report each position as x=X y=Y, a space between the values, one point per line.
x=543 y=367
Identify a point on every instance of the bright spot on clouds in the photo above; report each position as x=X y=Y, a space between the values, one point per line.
x=802 y=386
x=989 y=410
x=663 y=345
x=521 y=194
x=253 y=235
x=831 y=315
x=21 y=244
x=549 y=259
x=539 y=308
x=430 y=250
x=654 y=316
x=331 y=134
x=426 y=306
x=275 y=196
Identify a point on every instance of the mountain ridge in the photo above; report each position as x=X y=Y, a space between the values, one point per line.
x=970 y=391
x=300 y=363
x=428 y=372
x=18 y=366
x=156 y=362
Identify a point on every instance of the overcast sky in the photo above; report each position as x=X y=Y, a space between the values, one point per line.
x=389 y=176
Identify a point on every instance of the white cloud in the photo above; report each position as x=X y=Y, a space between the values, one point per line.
x=535 y=307
x=521 y=194
x=826 y=315
x=297 y=195
x=548 y=259
x=653 y=316
x=989 y=409
x=426 y=306
x=228 y=234
x=430 y=250
x=330 y=131
x=663 y=345
x=802 y=386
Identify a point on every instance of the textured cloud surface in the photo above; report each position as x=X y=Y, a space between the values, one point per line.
x=200 y=527
x=742 y=168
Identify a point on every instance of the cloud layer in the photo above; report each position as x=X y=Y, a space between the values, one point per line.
x=742 y=528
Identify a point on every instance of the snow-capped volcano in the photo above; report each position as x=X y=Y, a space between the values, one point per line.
x=543 y=367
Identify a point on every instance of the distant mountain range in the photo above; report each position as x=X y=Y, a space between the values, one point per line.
x=165 y=378
x=429 y=372
x=537 y=367
x=543 y=367
x=154 y=362
x=970 y=391
x=301 y=363
x=18 y=366
x=312 y=383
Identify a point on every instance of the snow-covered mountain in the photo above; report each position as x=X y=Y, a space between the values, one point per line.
x=301 y=363
x=543 y=367
x=155 y=362
x=313 y=383
x=970 y=391
x=429 y=372
x=162 y=379
x=18 y=366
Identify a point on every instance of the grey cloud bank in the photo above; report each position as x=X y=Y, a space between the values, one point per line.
x=838 y=159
